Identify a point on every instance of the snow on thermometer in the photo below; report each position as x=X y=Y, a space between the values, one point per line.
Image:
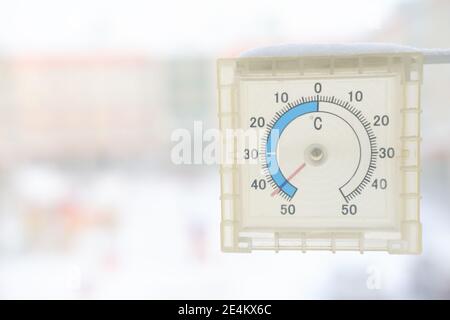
x=335 y=162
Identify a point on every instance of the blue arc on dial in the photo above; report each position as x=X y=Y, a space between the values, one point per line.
x=272 y=143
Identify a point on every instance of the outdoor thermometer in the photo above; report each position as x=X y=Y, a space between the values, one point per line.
x=321 y=148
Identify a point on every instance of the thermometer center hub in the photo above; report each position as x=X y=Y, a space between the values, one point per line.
x=316 y=154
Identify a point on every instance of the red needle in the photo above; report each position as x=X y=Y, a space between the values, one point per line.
x=289 y=178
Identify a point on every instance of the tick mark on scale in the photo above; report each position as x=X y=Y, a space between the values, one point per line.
x=293 y=174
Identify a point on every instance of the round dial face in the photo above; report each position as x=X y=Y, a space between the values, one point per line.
x=334 y=125
x=326 y=153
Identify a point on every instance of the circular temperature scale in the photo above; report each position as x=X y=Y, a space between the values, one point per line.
x=326 y=136
x=325 y=152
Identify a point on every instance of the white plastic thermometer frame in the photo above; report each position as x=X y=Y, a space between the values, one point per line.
x=406 y=239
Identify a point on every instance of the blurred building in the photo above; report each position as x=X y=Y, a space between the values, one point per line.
x=69 y=108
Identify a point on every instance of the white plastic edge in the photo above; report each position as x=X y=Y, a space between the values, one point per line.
x=431 y=56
